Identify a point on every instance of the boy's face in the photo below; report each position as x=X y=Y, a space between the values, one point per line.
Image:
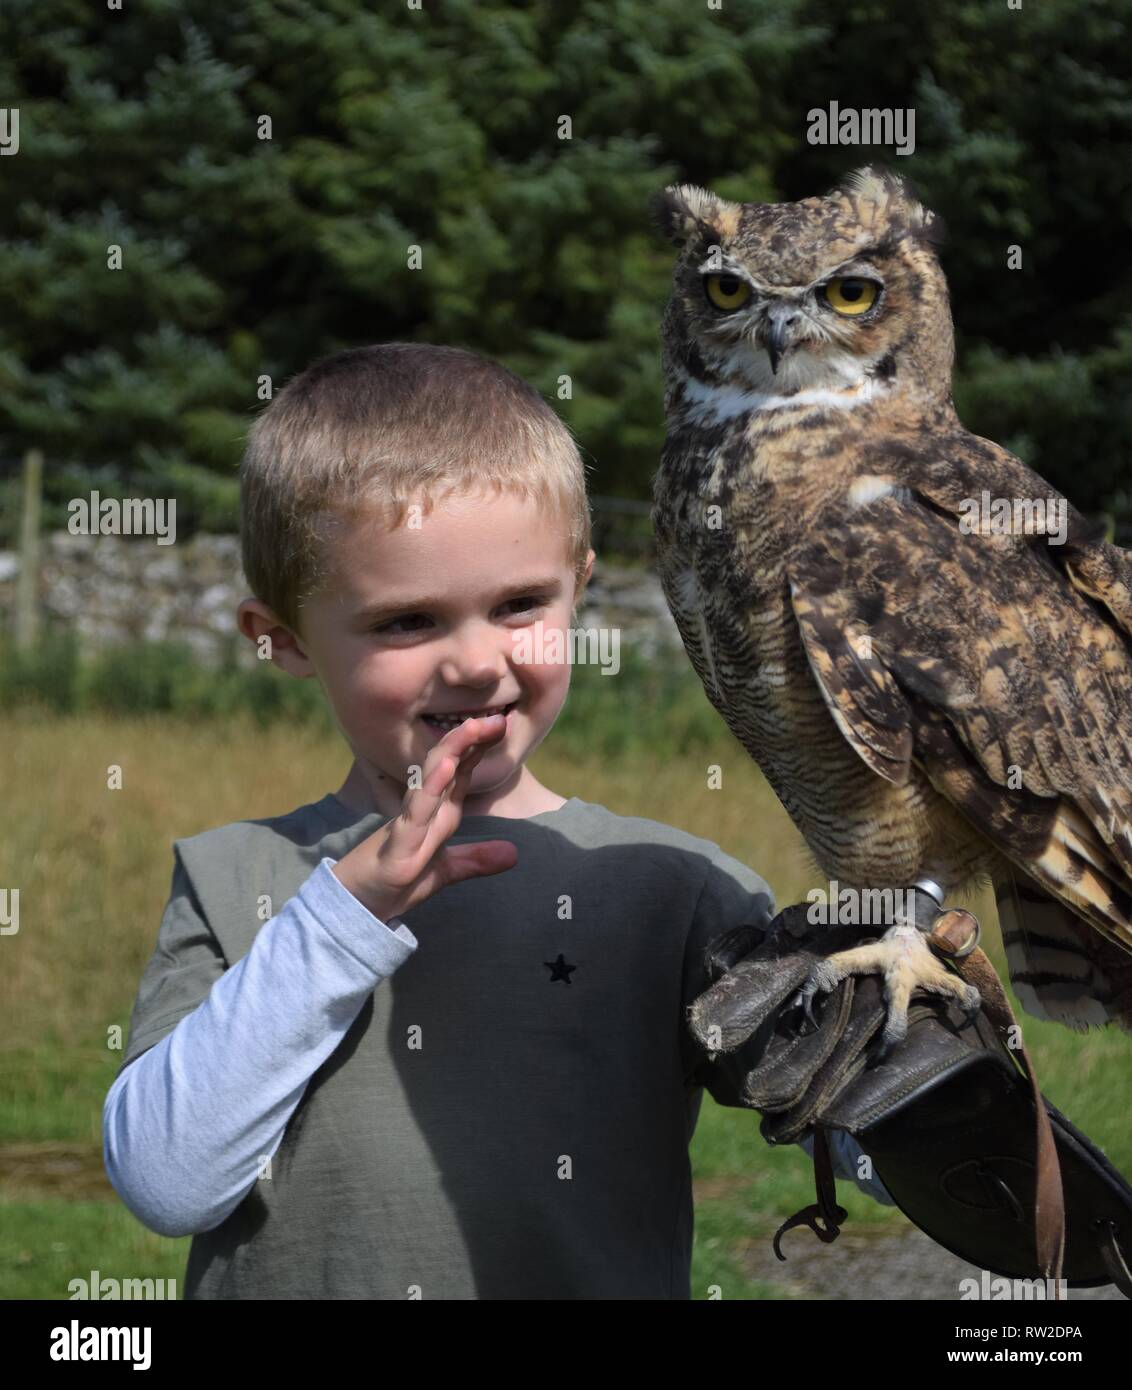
x=422 y=621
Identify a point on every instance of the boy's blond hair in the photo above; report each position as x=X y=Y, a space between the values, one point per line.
x=370 y=430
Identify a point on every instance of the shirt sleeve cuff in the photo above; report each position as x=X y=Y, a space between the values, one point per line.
x=352 y=922
x=844 y=1152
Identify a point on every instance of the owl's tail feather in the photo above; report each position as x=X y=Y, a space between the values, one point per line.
x=1059 y=967
x=1084 y=873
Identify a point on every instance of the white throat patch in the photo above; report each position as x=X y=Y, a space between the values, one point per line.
x=707 y=404
x=837 y=380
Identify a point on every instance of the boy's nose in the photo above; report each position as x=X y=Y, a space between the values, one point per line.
x=475 y=663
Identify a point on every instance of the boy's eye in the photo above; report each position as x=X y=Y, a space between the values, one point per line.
x=396 y=623
x=399 y=626
x=535 y=600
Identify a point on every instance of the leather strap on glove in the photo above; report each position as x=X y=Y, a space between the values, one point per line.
x=952 y=1120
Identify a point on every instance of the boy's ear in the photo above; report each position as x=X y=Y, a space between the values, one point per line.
x=580 y=585
x=584 y=579
x=273 y=638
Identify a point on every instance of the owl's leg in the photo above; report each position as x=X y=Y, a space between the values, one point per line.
x=906 y=962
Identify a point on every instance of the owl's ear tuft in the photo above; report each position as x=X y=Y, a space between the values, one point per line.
x=682 y=209
x=896 y=201
x=874 y=184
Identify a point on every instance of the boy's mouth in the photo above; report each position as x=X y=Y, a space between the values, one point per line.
x=442 y=723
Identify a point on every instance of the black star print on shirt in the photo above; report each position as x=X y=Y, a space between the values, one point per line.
x=559 y=970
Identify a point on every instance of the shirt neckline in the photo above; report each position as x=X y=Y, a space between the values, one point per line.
x=337 y=812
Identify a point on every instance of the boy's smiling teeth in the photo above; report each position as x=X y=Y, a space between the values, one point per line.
x=458 y=716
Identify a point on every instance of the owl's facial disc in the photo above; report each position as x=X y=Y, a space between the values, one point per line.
x=816 y=334
x=809 y=319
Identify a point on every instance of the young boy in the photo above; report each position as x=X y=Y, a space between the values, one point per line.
x=497 y=1102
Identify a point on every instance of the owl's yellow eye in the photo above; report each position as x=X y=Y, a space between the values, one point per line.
x=849 y=294
x=727 y=291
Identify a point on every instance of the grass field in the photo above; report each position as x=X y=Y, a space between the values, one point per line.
x=93 y=868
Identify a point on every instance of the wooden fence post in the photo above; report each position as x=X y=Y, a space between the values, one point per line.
x=27 y=585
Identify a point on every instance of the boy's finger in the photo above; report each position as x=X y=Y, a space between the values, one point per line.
x=477 y=735
x=421 y=804
x=456 y=789
x=476 y=861
x=468 y=765
x=467 y=753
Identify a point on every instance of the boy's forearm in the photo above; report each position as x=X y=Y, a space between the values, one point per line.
x=188 y=1125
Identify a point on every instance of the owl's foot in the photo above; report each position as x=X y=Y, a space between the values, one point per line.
x=905 y=960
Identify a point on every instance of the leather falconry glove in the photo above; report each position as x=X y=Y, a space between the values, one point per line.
x=952 y=1118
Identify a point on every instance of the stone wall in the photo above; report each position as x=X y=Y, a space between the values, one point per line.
x=112 y=589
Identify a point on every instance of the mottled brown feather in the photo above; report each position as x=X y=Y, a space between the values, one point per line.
x=801 y=506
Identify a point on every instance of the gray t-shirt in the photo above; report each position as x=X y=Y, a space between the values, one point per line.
x=509 y=1114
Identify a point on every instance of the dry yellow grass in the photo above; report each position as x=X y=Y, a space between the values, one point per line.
x=93 y=864
x=93 y=868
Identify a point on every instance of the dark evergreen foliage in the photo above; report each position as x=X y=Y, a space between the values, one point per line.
x=439 y=128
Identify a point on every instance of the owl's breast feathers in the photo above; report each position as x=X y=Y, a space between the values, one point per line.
x=916 y=693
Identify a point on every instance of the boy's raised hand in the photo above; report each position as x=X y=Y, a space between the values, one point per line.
x=407 y=860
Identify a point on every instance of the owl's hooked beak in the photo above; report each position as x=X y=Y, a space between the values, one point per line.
x=778 y=338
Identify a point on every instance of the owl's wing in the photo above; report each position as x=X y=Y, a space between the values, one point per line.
x=688 y=604
x=1001 y=666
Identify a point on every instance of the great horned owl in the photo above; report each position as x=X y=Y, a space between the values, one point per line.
x=929 y=698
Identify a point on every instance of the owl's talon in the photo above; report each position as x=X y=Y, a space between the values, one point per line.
x=821 y=979
x=974 y=1003
x=895 y=1027
x=907 y=966
x=802 y=1002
